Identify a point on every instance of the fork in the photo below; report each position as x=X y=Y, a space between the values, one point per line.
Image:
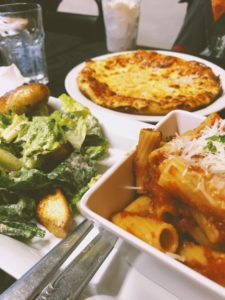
x=41 y=281
x=70 y=283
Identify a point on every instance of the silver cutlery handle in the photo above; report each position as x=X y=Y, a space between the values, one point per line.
x=70 y=283
x=33 y=282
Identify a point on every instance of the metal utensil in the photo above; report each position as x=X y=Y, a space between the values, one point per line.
x=32 y=283
x=70 y=283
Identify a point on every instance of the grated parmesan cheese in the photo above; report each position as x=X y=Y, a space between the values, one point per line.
x=207 y=151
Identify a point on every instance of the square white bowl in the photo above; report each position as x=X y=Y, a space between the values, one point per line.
x=109 y=196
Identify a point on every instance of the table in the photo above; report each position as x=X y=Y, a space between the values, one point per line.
x=63 y=53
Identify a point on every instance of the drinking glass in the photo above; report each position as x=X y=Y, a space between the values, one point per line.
x=121 y=19
x=217 y=46
x=22 y=40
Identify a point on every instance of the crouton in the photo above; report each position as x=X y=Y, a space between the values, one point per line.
x=24 y=99
x=53 y=212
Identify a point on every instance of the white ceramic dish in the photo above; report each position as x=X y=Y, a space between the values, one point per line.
x=109 y=196
x=73 y=89
x=128 y=282
x=18 y=257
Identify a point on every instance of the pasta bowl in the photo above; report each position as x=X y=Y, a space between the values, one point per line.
x=113 y=192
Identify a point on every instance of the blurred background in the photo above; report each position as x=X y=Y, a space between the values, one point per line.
x=160 y=20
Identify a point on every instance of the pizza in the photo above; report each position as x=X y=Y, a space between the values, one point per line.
x=148 y=83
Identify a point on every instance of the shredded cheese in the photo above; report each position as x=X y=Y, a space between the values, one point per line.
x=206 y=151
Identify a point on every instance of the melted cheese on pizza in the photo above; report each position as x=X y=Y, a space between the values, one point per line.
x=147 y=82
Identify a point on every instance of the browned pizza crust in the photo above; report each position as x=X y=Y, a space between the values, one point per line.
x=150 y=83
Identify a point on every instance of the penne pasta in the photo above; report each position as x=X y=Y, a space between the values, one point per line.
x=163 y=205
x=204 y=260
x=208 y=227
x=208 y=122
x=187 y=226
x=191 y=186
x=140 y=206
x=182 y=207
x=199 y=236
x=148 y=141
x=153 y=231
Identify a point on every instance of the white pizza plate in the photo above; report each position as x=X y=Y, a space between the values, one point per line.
x=109 y=196
x=74 y=91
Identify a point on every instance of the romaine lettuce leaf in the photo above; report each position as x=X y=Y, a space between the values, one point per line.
x=23 y=210
x=69 y=105
x=74 y=173
x=33 y=141
x=87 y=134
x=5 y=120
x=18 y=125
x=70 y=175
x=76 y=198
x=42 y=137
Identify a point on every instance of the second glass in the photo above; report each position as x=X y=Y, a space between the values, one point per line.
x=121 y=19
x=22 y=40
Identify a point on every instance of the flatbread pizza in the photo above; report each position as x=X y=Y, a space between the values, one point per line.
x=148 y=83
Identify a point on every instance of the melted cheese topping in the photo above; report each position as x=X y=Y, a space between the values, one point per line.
x=151 y=83
x=207 y=151
x=147 y=82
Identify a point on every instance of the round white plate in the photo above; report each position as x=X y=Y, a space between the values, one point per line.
x=73 y=89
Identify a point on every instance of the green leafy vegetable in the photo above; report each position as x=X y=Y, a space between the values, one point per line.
x=214 y=138
x=71 y=137
x=218 y=138
x=74 y=173
x=76 y=135
x=43 y=136
x=71 y=175
x=23 y=210
x=69 y=105
x=24 y=180
x=18 y=125
x=211 y=147
x=20 y=229
x=76 y=198
x=87 y=132
x=8 y=162
x=4 y=120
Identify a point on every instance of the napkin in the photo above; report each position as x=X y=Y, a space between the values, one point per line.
x=10 y=78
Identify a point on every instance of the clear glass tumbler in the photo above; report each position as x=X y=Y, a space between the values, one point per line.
x=217 y=46
x=121 y=18
x=22 y=40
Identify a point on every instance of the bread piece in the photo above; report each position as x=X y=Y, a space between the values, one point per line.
x=24 y=99
x=53 y=212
